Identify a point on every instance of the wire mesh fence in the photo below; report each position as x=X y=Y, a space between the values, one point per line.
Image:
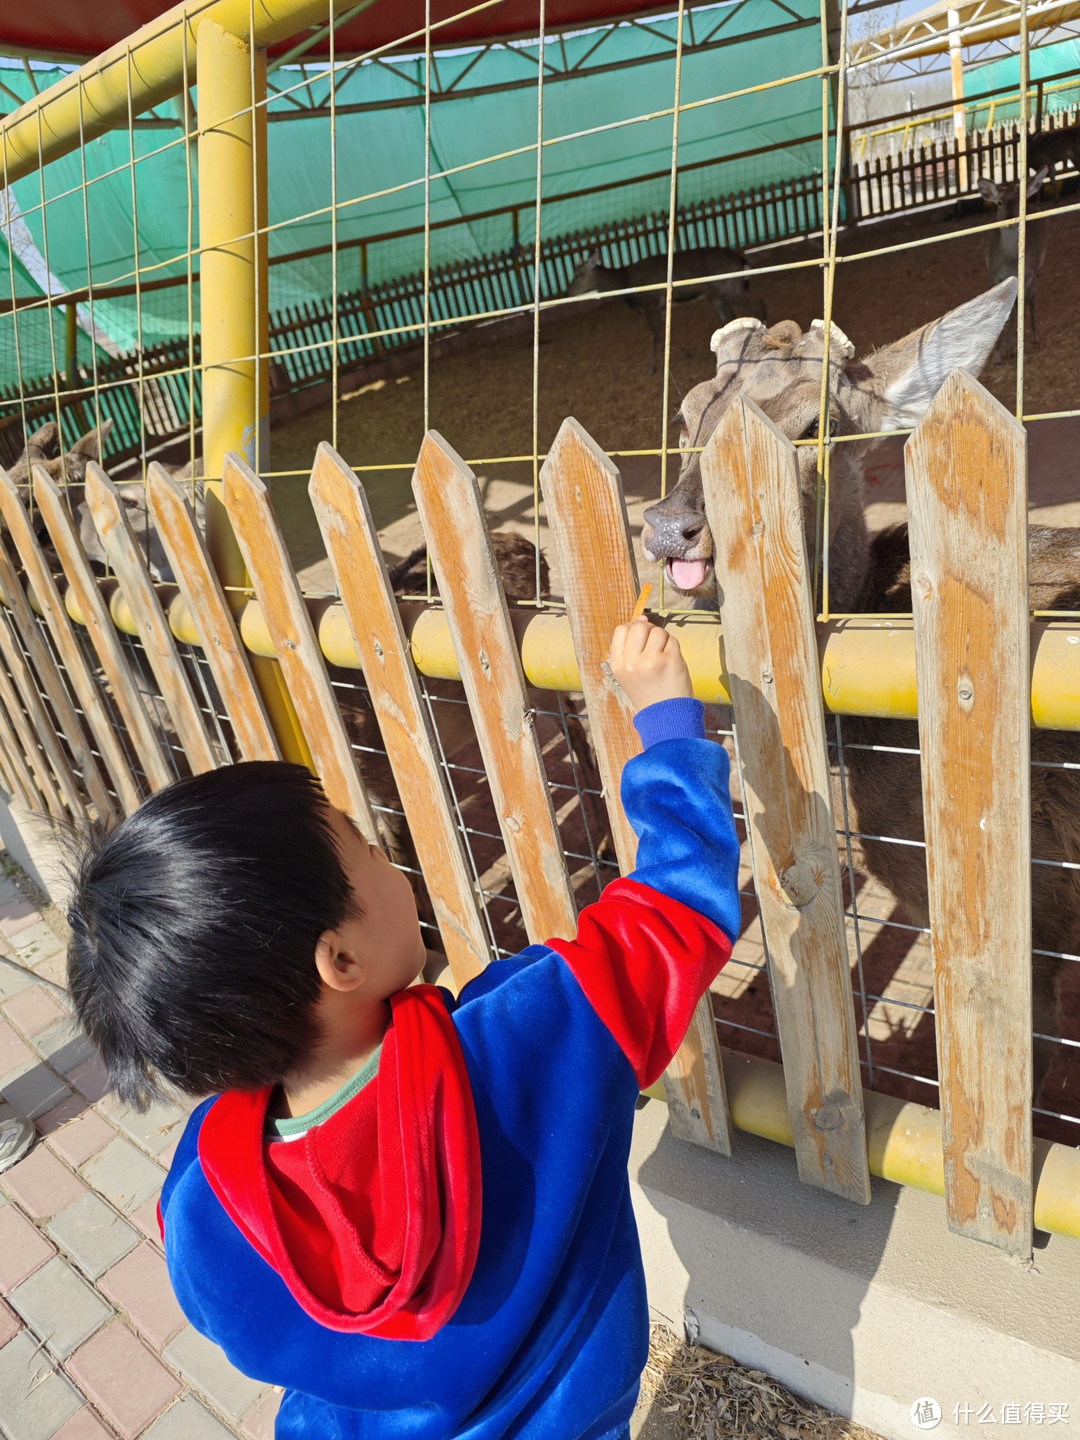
x=874 y=223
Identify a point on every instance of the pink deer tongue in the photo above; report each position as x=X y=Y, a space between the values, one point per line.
x=687 y=574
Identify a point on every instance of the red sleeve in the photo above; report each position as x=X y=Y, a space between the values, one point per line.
x=644 y=961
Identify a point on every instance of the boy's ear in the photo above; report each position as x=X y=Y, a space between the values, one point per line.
x=338 y=968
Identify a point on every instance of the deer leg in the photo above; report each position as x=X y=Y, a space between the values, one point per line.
x=655 y=317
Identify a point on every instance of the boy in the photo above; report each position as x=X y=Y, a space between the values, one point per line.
x=411 y=1212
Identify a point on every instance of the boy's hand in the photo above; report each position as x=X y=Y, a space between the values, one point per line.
x=648 y=663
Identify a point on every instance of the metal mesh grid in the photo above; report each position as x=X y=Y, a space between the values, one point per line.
x=166 y=388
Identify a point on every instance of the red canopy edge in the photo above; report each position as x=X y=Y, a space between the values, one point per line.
x=77 y=31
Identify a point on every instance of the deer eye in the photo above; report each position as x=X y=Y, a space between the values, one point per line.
x=813 y=429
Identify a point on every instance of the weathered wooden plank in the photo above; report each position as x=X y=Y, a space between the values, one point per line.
x=32 y=752
x=42 y=725
x=347 y=526
x=102 y=632
x=590 y=535
x=225 y=654
x=753 y=507
x=107 y=510
x=452 y=513
x=303 y=667
x=15 y=766
x=967 y=505
x=22 y=618
x=68 y=648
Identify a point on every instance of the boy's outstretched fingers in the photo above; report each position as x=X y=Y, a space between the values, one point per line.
x=648 y=663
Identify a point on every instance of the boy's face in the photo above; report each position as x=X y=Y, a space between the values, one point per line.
x=386 y=937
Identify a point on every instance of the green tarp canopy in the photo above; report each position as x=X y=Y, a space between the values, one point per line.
x=123 y=199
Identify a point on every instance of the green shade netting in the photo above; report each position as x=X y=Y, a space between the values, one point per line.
x=597 y=136
x=1053 y=60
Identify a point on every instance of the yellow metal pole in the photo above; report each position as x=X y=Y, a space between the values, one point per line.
x=956 y=66
x=235 y=316
x=71 y=346
x=142 y=70
x=867 y=666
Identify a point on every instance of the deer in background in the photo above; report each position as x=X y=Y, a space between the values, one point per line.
x=781 y=370
x=1003 y=246
x=729 y=296
x=1051 y=148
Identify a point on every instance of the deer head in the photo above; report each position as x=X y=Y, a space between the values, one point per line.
x=586 y=276
x=780 y=369
x=1006 y=198
x=43 y=448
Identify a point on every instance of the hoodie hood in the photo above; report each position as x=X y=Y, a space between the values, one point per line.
x=371 y=1218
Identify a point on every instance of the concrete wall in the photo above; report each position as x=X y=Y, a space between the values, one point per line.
x=863 y=1309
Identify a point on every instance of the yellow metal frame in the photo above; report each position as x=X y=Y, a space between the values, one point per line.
x=867 y=666
x=141 y=71
x=903 y=1140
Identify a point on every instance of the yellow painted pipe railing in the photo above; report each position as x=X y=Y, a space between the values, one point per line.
x=148 y=67
x=903 y=1140
x=867 y=665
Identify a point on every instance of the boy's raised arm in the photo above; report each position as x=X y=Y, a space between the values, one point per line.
x=648 y=950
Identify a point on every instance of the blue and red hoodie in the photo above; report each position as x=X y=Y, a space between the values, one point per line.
x=452 y=1254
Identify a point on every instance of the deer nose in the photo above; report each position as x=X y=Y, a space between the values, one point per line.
x=672 y=531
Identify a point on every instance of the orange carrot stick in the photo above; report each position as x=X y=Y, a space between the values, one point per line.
x=642 y=601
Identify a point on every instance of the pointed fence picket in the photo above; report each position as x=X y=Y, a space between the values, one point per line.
x=87 y=594
x=352 y=544
x=29 y=690
x=17 y=772
x=969 y=591
x=33 y=642
x=752 y=502
x=40 y=579
x=303 y=667
x=590 y=536
x=210 y=614
x=122 y=548
x=459 y=545
x=32 y=748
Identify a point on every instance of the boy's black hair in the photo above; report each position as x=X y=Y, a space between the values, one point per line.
x=194 y=924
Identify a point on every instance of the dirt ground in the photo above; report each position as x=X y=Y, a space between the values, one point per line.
x=594 y=366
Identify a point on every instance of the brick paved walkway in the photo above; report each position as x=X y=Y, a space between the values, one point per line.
x=92 y=1342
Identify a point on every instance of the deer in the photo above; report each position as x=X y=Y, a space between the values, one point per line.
x=68 y=469
x=592 y=277
x=890 y=389
x=1003 y=246
x=1051 y=148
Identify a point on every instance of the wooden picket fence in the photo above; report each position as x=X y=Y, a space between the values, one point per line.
x=80 y=727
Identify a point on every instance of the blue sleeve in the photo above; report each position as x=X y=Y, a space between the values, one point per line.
x=682 y=718
x=676 y=797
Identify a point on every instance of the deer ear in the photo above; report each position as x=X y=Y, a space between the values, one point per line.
x=45 y=441
x=1035 y=184
x=988 y=190
x=90 y=444
x=913 y=370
